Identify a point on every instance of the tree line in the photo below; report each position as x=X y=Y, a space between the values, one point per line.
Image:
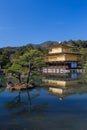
x=17 y=60
x=25 y=60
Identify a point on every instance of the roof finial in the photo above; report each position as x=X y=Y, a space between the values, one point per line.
x=60 y=42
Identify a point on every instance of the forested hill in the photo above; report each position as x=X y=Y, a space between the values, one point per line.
x=9 y=53
x=78 y=43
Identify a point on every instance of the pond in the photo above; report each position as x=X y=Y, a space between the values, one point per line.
x=59 y=104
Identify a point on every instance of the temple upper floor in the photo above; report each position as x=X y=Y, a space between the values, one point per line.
x=60 y=48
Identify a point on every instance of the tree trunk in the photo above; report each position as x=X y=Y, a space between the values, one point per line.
x=29 y=70
x=19 y=77
x=0 y=67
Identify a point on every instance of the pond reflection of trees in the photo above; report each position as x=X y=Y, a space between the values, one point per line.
x=2 y=81
x=26 y=108
x=2 y=89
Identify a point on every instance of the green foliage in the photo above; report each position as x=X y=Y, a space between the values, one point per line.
x=3 y=60
x=17 y=58
x=20 y=65
x=5 y=57
x=83 y=57
x=85 y=65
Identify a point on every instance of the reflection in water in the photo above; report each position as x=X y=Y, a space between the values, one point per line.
x=25 y=107
x=64 y=85
x=2 y=89
x=45 y=111
x=2 y=81
x=15 y=103
x=63 y=92
x=61 y=80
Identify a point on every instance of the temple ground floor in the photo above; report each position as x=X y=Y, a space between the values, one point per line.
x=63 y=67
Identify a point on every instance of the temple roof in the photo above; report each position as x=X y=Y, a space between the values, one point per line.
x=51 y=54
x=61 y=45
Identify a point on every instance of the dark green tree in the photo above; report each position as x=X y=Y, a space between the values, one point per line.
x=30 y=63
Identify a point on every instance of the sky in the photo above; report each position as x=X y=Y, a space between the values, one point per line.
x=36 y=21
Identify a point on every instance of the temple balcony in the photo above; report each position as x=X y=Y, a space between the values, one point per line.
x=63 y=57
x=59 y=50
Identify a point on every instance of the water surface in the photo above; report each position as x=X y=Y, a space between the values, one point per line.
x=50 y=107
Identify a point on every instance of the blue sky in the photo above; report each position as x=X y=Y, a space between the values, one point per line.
x=37 y=21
